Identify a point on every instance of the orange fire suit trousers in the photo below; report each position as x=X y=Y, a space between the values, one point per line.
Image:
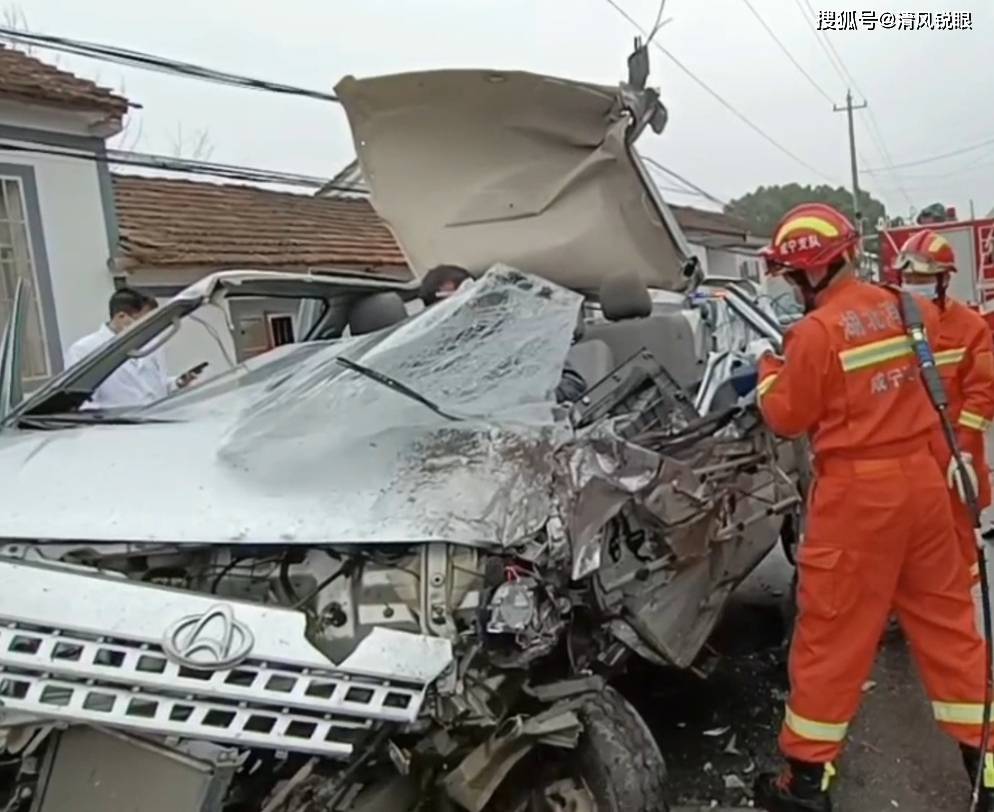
x=880 y=539
x=966 y=534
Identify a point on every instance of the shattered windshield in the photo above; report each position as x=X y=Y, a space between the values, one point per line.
x=499 y=346
x=297 y=448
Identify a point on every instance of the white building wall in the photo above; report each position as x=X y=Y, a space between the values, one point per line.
x=76 y=239
x=75 y=226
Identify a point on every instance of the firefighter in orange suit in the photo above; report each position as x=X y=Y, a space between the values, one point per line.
x=880 y=534
x=964 y=354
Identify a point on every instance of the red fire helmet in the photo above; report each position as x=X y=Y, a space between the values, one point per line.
x=926 y=252
x=809 y=238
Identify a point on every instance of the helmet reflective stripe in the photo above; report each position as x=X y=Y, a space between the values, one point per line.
x=938 y=243
x=823 y=227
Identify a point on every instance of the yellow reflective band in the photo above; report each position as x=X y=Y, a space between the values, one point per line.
x=950 y=356
x=766 y=384
x=958 y=713
x=877 y=352
x=816 y=731
x=937 y=243
x=973 y=421
x=830 y=773
x=823 y=227
x=989 y=770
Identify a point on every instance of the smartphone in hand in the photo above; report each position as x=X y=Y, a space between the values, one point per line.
x=191 y=375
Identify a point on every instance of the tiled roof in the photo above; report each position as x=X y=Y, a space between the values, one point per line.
x=25 y=78
x=182 y=223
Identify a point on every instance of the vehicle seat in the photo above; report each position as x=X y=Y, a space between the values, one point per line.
x=376 y=311
x=592 y=359
x=632 y=326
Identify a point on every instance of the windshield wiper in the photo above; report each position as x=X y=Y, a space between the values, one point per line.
x=394 y=384
x=84 y=419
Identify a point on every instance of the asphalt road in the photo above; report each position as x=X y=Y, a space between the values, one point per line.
x=717 y=733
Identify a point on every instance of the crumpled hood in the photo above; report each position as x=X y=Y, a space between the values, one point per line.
x=297 y=449
x=470 y=167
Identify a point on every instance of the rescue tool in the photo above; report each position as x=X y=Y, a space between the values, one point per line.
x=915 y=325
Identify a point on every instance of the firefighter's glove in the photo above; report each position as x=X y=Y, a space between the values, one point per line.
x=954 y=476
x=759 y=347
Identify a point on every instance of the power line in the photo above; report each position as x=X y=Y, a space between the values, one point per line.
x=719 y=98
x=146 y=61
x=787 y=53
x=169 y=164
x=243 y=173
x=881 y=143
x=874 y=131
x=820 y=41
x=831 y=46
x=677 y=190
x=835 y=59
x=940 y=157
x=689 y=184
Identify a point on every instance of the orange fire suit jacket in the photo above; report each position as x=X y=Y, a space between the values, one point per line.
x=964 y=354
x=846 y=373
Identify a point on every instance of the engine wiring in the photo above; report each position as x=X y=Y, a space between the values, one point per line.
x=346 y=569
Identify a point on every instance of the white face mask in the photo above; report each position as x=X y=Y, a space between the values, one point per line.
x=926 y=289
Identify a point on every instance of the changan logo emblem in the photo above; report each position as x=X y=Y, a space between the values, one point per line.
x=211 y=641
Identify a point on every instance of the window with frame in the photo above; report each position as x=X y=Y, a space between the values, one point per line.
x=17 y=263
x=280 y=329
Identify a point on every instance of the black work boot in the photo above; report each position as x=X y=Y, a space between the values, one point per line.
x=800 y=787
x=971 y=760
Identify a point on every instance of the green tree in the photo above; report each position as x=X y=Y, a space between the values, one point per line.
x=763 y=208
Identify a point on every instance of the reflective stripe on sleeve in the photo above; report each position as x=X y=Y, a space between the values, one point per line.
x=958 y=713
x=877 y=352
x=953 y=356
x=766 y=384
x=971 y=420
x=816 y=731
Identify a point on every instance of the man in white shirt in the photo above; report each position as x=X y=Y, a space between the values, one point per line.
x=137 y=381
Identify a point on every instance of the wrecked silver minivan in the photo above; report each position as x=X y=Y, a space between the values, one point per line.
x=384 y=569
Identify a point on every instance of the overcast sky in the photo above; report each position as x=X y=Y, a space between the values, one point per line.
x=931 y=91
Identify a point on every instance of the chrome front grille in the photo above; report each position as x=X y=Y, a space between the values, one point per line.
x=100 y=662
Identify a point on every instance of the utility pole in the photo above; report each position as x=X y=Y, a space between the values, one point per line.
x=852 y=157
x=849 y=107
